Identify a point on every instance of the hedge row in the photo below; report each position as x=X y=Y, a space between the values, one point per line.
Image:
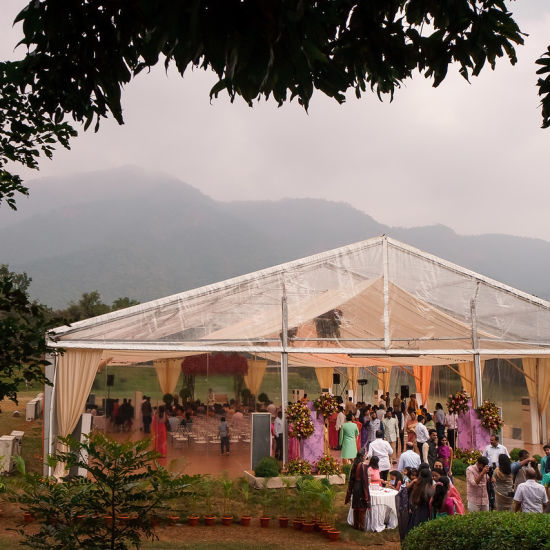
x=482 y=531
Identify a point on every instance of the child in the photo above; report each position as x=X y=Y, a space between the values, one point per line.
x=396 y=480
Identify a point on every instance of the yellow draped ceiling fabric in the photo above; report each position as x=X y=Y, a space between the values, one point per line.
x=353 y=375
x=384 y=379
x=422 y=377
x=168 y=373
x=324 y=377
x=468 y=379
x=256 y=371
x=76 y=371
x=538 y=381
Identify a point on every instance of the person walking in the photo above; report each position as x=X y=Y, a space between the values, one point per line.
x=451 y=420
x=146 y=414
x=278 y=434
x=348 y=442
x=422 y=436
x=391 y=430
x=223 y=430
x=439 y=419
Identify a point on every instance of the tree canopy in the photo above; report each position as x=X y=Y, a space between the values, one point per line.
x=81 y=54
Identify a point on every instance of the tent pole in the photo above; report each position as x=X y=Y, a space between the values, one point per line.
x=477 y=359
x=48 y=469
x=284 y=371
x=386 y=293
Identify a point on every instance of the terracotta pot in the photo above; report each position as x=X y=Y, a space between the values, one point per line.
x=317 y=526
x=108 y=520
x=297 y=524
x=227 y=520
x=245 y=521
x=333 y=535
x=283 y=522
x=325 y=529
x=264 y=522
x=155 y=520
x=308 y=527
x=193 y=520
x=173 y=519
x=209 y=520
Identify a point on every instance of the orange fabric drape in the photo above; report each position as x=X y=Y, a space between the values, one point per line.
x=538 y=381
x=422 y=377
x=384 y=380
x=353 y=375
x=324 y=376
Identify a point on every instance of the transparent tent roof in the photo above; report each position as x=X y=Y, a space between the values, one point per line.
x=378 y=298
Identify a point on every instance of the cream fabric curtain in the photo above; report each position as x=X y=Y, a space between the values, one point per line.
x=168 y=373
x=422 y=378
x=256 y=371
x=353 y=375
x=538 y=381
x=76 y=371
x=324 y=377
x=468 y=379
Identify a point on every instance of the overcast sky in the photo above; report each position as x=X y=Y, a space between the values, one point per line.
x=472 y=157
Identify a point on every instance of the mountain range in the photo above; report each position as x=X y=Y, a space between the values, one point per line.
x=128 y=232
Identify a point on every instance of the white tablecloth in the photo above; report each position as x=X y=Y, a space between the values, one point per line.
x=382 y=514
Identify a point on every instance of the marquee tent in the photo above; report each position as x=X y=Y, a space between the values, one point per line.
x=378 y=302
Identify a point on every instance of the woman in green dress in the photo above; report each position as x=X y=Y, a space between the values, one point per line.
x=348 y=433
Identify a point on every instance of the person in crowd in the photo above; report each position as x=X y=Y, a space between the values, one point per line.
x=428 y=421
x=451 y=420
x=494 y=450
x=503 y=483
x=237 y=420
x=476 y=485
x=278 y=433
x=412 y=405
x=173 y=421
x=430 y=448
x=381 y=449
x=374 y=426
x=396 y=402
x=545 y=465
x=358 y=491
x=114 y=412
x=305 y=399
x=441 y=503
x=410 y=426
x=452 y=492
x=223 y=430
x=159 y=431
x=420 y=495
x=332 y=432
x=381 y=412
x=391 y=430
x=401 y=426
x=446 y=455
x=530 y=496
x=146 y=414
x=374 y=471
x=395 y=481
x=422 y=435
x=409 y=477
x=348 y=444
x=359 y=428
x=439 y=417
x=408 y=459
x=364 y=419
x=340 y=419
x=519 y=467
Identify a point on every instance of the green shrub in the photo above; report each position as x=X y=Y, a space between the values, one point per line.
x=514 y=454
x=267 y=467
x=459 y=467
x=346 y=468
x=537 y=458
x=263 y=398
x=483 y=530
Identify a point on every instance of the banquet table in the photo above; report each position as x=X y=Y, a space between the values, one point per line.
x=382 y=514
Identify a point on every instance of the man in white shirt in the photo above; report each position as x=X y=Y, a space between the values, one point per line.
x=422 y=434
x=408 y=459
x=451 y=420
x=278 y=432
x=382 y=449
x=391 y=430
x=530 y=496
x=493 y=450
x=340 y=419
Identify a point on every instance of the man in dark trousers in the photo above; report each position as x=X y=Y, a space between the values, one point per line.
x=146 y=414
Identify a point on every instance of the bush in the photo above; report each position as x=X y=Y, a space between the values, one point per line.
x=459 y=467
x=298 y=467
x=267 y=467
x=514 y=454
x=468 y=456
x=346 y=468
x=487 y=530
x=263 y=398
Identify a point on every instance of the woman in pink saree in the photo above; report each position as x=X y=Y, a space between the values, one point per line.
x=159 y=431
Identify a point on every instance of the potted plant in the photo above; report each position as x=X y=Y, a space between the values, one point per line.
x=265 y=502
x=244 y=490
x=227 y=488
x=283 y=493
x=207 y=490
x=193 y=495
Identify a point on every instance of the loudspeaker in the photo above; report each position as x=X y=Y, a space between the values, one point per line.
x=362 y=381
x=110 y=380
x=404 y=392
x=336 y=378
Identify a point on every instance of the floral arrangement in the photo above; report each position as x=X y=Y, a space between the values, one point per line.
x=300 y=424
x=458 y=403
x=326 y=405
x=490 y=417
x=468 y=456
x=298 y=467
x=328 y=466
